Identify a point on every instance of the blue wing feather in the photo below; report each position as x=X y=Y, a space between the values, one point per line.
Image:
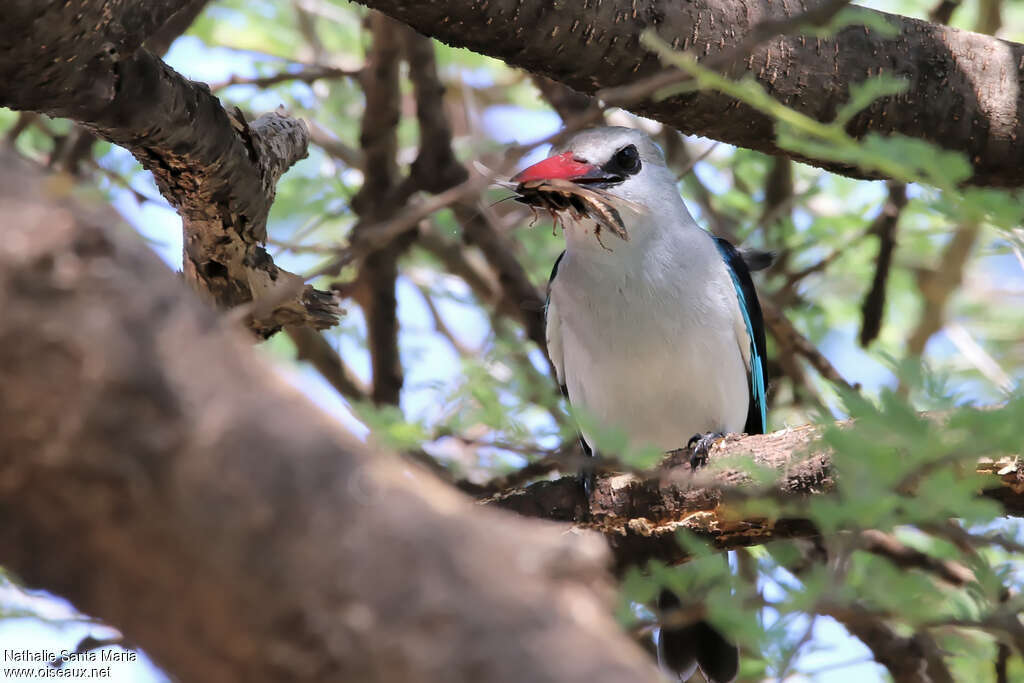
x=757 y=413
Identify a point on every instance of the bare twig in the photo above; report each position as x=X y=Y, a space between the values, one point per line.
x=873 y=307
x=787 y=335
x=963 y=538
x=311 y=346
x=943 y=11
x=328 y=142
x=688 y=168
x=375 y=236
x=990 y=17
x=306 y=21
x=937 y=286
x=441 y=327
x=778 y=191
x=913 y=659
x=536 y=469
x=567 y=102
x=902 y=555
x=24 y=120
x=978 y=357
x=376 y=201
x=683 y=161
x=160 y=41
x=307 y=74
x=1002 y=662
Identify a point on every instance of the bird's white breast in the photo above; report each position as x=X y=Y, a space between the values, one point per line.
x=648 y=338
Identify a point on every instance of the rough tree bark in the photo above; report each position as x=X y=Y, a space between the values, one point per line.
x=82 y=60
x=640 y=515
x=965 y=89
x=175 y=489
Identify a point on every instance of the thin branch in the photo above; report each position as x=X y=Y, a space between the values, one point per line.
x=441 y=327
x=21 y=124
x=787 y=292
x=937 y=286
x=682 y=161
x=160 y=42
x=1002 y=663
x=978 y=357
x=306 y=21
x=328 y=142
x=688 y=168
x=778 y=191
x=787 y=335
x=902 y=555
x=963 y=538
x=990 y=17
x=873 y=307
x=943 y=10
x=372 y=237
x=567 y=102
x=377 y=201
x=311 y=346
x=538 y=468
x=914 y=659
x=463 y=262
x=308 y=74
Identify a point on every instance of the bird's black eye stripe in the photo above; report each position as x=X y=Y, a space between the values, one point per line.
x=625 y=162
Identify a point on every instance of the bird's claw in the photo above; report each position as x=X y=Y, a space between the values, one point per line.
x=699 y=446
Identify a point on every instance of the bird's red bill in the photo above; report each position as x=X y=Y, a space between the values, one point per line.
x=561 y=166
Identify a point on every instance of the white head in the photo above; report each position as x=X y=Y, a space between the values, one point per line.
x=623 y=162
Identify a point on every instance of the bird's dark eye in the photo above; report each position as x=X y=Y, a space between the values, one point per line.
x=628 y=159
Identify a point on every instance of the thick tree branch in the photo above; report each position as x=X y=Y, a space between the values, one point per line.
x=82 y=60
x=640 y=514
x=964 y=92
x=175 y=489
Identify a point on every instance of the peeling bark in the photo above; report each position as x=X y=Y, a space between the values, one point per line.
x=175 y=489
x=82 y=60
x=965 y=89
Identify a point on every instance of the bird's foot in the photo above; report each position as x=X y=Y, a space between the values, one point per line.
x=699 y=447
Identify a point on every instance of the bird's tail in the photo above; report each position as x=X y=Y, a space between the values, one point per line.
x=682 y=649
